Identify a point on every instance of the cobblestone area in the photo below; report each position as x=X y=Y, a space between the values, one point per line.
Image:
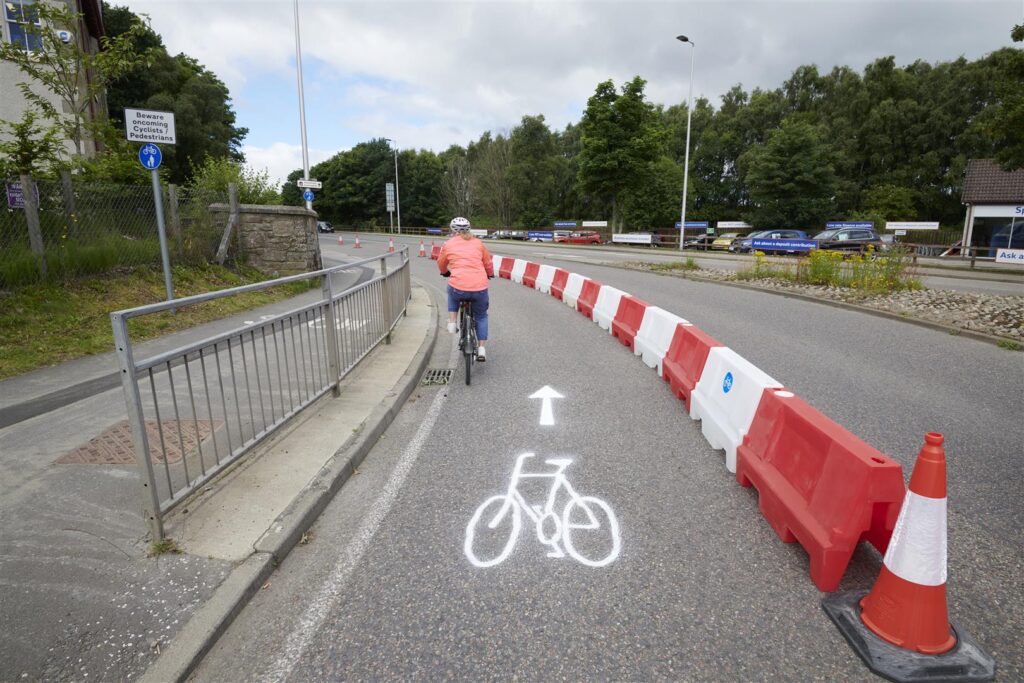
x=1002 y=316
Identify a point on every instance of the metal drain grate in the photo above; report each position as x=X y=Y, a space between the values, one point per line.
x=437 y=376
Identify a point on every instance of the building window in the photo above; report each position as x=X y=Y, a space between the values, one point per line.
x=20 y=16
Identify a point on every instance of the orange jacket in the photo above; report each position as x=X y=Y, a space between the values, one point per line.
x=469 y=262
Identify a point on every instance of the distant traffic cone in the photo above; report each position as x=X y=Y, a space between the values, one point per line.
x=391 y=245
x=341 y=240
x=901 y=628
x=423 y=250
x=358 y=246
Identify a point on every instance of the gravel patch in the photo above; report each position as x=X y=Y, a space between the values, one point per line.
x=1001 y=316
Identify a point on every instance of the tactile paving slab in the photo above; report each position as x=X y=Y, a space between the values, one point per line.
x=114 y=446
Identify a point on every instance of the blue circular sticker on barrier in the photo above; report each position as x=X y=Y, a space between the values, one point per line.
x=727 y=383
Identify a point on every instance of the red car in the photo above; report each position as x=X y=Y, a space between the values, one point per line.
x=580 y=237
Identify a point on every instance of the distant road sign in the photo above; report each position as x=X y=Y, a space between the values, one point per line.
x=694 y=224
x=565 y=224
x=389 y=192
x=308 y=195
x=143 y=125
x=150 y=156
x=311 y=184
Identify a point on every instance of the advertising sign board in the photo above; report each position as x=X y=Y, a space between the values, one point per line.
x=911 y=225
x=1014 y=256
x=632 y=238
x=784 y=245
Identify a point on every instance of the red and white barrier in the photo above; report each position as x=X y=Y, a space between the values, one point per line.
x=685 y=359
x=544 y=277
x=505 y=268
x=573 y=287
x=726 y=398
x=558 y=283
x=607 y=306
x=628 y=319
x=530 y=274
x=496 y=262
x=655 y=336
x=518 y=269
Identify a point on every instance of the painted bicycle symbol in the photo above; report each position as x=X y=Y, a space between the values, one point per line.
x=584 y=523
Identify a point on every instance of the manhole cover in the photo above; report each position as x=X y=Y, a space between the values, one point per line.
x=437 y=376
x=114 y=446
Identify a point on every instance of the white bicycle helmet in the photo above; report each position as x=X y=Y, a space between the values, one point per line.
x=460 y=224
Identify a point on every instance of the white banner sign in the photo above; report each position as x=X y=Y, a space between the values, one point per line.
x=478 y=232
x=725 y=225
x=911 y=225
x=142 y=125
x=1014 y=256
x=311 y=184
x=999 y=211
x=632 y=239
x=595 y=224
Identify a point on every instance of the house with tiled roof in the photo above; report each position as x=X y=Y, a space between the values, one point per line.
x=995 y=207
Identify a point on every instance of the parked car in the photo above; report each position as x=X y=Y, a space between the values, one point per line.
x=518 y=235
x=699 y=242
x=722 y=242
x=324 y=226
x=745 y=244
x=581 y=237
x=849 y=240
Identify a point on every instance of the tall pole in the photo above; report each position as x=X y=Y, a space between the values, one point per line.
x=302 y=101
x=686 y=162
x=398 y=202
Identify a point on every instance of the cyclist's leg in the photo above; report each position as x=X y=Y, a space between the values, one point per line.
x=481 y=302
x=453 y=307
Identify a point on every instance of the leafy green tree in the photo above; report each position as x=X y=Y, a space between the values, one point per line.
x=1006 y=126
x=534 y=172
x=204 y=118
x=77 y=77
x=254 y=187
x=492 y=170
x=31 y=148
x=621 y=137
x=893 y=202
x=791 y=178
x=656 y=203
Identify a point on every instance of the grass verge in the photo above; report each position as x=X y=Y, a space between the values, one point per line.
x=47 y=324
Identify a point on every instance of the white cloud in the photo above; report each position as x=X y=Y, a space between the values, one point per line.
x=434 y=73
x=280 y=159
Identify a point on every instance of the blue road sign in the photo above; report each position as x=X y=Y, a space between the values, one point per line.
x=434 y=231
x=694 y=224
x=565 y=224
x=784 y=245
x=150 y=156
x=727 y=383
x=308 y=195
x=540 y=235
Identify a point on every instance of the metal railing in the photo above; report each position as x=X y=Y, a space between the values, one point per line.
x=197 y=409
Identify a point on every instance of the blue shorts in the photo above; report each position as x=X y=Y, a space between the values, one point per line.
x=480 y=301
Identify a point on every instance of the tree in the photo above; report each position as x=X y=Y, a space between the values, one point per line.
x=457 y=188
x=1006 y=126
x=656 y=203
x=204 y=118
x=534 y=171
x=620 y=139
x=31 y=148
x=77 y=77
x=492 y=171
x=791 y=178
x=254 y=187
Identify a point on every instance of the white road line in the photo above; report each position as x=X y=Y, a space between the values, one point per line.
x=324 y=602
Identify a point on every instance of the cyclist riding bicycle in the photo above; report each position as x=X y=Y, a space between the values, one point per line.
x=469 y=265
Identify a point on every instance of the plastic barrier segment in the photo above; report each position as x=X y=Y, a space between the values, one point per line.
x=544 y=277
x=607 y=306
x=684 y=360
x=558 y=283
x=587 y=300
x=505 y=269
x=655 y=335
x=725 y=399
x=530 y=274
x=628 y=318
x=435 y=252
x=518 y=269
x=818 y=484
x=573 y=289
x=496 y=263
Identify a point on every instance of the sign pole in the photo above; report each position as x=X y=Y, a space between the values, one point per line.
x=162 y=231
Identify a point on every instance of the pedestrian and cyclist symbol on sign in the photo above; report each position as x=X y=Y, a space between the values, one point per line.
x=150 y=156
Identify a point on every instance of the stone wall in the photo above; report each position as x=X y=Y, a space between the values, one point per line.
x=275 y=239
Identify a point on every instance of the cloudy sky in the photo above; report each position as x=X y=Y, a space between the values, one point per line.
x=429 y=74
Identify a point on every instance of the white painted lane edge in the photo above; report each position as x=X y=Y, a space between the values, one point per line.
x=330 y=591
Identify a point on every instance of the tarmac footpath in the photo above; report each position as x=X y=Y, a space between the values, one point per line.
x=82 y=600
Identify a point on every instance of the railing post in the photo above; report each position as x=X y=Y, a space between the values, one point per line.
x=387 y=297
x=331 y=331
x=137 y=420
x=974 y=255
x=35 y=235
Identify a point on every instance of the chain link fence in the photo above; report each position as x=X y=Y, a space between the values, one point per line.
x=89 y=228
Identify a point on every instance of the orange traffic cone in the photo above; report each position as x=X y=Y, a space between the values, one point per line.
x=901 y=627
x=341 y=240
x=423 y=250
x=358 y=246
x=391 y=245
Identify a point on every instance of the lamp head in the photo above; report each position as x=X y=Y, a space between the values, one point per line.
x=683 y=39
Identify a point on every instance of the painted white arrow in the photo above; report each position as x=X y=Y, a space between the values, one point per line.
x=546 y=393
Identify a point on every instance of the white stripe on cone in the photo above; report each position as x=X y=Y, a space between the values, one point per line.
x=917 y=550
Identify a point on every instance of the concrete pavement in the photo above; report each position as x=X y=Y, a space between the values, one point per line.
x=82 y=600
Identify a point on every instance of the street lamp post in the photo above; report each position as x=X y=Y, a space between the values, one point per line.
x=398 y=201
x=686 y=162
x=302 y=101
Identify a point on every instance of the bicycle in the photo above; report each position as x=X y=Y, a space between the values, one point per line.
x=512 y=506
x=468 y=343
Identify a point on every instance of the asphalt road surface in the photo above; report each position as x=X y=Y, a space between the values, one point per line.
x=693 y=583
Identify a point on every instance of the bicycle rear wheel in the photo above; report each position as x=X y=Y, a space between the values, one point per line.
x=468 y=351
